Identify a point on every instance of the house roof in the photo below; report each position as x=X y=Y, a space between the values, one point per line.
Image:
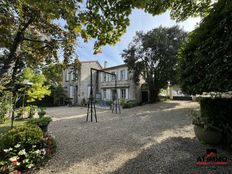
x=114 y=67
x=92 y=61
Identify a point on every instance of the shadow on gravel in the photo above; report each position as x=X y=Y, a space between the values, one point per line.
x=79 y=141
x=173 y=156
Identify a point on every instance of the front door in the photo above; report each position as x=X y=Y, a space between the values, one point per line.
x=114 y=92
x=144 y=96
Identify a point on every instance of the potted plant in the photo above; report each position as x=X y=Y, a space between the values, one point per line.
x=42 y=122
x=205 y=130
x=42 y=112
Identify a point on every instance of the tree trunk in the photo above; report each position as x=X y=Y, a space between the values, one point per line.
x=11 y=58
x=153 y=94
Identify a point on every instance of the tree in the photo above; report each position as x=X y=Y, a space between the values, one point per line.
x=153 y=56
x=205 y=59
x=31 y=34
x=53 y=73
x=33 y=85
x=30 y=84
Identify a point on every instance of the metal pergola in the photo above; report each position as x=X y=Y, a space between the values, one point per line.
x=91 y=102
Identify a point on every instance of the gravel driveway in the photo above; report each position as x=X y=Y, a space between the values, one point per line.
x=155 y=138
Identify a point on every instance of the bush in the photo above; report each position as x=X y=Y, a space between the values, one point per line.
x=109 y=103
x=23 y=148
x=26 y=135
x=42 y=112
x=5 y=106
x=83 y=102
x=41 y=122
x=128 y=104
x=217 y=112
x=23 y=112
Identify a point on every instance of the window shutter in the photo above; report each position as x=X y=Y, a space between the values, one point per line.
x=88 y=91
x=71 y=75
x=71 y=92
x=102 y=77
x=107 y=94
x=127 y=93
x=66 y=76
x=118 y=93
x=126 y=74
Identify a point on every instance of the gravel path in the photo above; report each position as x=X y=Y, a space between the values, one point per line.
x=155 y=138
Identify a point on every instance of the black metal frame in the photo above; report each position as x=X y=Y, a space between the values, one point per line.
x=91 y=101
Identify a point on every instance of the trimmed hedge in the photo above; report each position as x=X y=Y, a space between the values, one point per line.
x=218 y=111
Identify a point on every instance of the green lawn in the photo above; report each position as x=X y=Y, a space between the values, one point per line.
x=6 y=125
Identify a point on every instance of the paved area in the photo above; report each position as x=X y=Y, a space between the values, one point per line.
x=156 y=138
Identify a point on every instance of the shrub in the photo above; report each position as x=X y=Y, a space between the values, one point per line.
x=42 y=112
x=23 y=148
x=23 y=112
x=83 y=102
x=41 y=122
x=122 y=102
x=129 y=104
x=5 y=106
x=33 y=111
x=26 y=135
x=217 y=112
x=109 y=103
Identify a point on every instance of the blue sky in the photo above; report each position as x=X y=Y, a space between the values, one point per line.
x=139 y=21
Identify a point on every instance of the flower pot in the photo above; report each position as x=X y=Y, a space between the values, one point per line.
x=44 y=128
x=208 y=136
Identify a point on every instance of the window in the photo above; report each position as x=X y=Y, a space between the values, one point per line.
x=123 y=74
x=104 y=77
x=113 y=94
x=104 y=93
x=113 y=76
x=66 y=76
x=123 y=93
x=71 y=75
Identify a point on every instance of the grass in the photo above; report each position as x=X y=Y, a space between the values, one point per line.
x=7 y=124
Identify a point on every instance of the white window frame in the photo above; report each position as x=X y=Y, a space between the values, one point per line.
x=71 y=92
x=123 y=93
x=123 y=74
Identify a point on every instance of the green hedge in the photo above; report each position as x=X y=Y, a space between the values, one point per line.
x=218 y=111
x=26 y=135
x=128 y=104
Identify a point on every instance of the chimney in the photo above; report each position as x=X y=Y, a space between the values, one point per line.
x=105 y=64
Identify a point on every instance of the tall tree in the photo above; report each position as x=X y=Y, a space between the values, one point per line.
x=153 y=56
x=30 y=29
x=53 y=73
x=205 y=59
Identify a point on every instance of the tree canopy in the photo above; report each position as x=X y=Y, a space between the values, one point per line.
x=33 y=85
x=53 y=73
x=205 y=59
x=153 y=56
x=31 y=33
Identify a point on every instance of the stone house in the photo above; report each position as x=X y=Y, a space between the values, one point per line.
x=126 y=88
x=78 y=89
